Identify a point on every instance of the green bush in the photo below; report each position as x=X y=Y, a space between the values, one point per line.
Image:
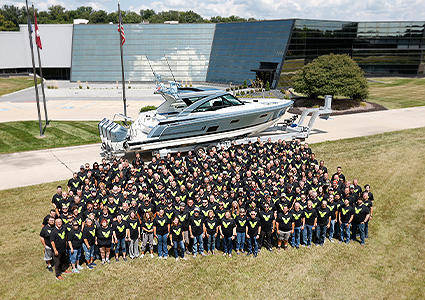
x=267 y=86
x=148 y=108
x=227 y=89
x=336 y=75
x=244 y=84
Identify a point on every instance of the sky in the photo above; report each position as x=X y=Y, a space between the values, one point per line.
x=346 y=10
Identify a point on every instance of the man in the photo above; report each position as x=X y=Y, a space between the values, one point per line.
x=45 y=241
x=58 y=242
x=196 y=230
x=345 y=217
x=310 y=215
x=323 y=222
x=267 y=227
x=369 y=204
x=333 y=207
x=299 y=223
x=361 y=216
x=184 y=217
x=253 y=231
x=285 y=227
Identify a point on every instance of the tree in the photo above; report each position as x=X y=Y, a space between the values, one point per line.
x=331 y=75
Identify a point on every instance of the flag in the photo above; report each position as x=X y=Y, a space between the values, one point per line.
x=37 y=33
x=121 y=30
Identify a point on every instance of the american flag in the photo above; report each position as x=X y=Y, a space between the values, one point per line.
x=121 y=30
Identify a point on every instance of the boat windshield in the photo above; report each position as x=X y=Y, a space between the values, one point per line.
x=218 y=103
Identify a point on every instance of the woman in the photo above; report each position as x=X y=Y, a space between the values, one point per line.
x=104 y=240
x=176 y=238
x=120 y=236
x=75 y=240
x=89 y=234
x=147 y=233
x=240 y=231
x=134 y=226
x=211 y=228
x=161 y=228
x=228 y=232
x=235 y=209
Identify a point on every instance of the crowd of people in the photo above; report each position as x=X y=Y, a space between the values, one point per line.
x=262 y=195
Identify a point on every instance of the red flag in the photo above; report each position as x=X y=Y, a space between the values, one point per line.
x=37 y=33
x=121 y=30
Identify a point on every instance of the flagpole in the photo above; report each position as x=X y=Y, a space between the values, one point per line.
x=41 y=74
x=33 y=69
x=122 y=64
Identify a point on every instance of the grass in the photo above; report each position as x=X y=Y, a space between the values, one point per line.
x=394 y=93
x=13 y=84
x=391 y=266
x=24 y=135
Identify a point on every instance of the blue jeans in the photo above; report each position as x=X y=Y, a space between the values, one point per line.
x=240 y=240
x=366 y=229
x=295 y=239
x=332 y=229
x=252 y=243
x=162 y=245
x=361 y=228
x=211 y=242
x=345 y=232
x=88 y=253
x=176 y=245
x=74 y=257
x=198 y=239
x=228 y=244
x=217 y=242
x=308 y=235
x=321 y=234
x=120 y=245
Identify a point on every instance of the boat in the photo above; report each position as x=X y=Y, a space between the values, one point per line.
x=191 y=116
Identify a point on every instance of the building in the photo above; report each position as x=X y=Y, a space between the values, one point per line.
x=223 y=53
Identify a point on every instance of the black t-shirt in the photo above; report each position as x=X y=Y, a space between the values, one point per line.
x=104 y=236
x=285 y=221
x=76 y=238
x=227 y=226
x=323 y=215
x=59 y=237
x=89 y=234
x=253 y=225
x=346 y=212
x=45 y=233
x=197 y=224
x=360 y=213
x=145 y=208
x=177 y=232
x=184 y=219
x=220 y=213
x=211 y=225
x=333 y=208
x=310 y=215
x=161 y=224
x=298 y=216
x=133 y=225
x=241 y=223
x=266 y=220
x=120 y=229
x=169 y=213
x=147 y=225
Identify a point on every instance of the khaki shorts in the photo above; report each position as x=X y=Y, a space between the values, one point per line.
x=48 y=253
x=283 y=235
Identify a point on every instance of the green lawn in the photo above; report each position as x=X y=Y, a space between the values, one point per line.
x=24 y=135
x=397 y=92
x=13 y=84
x=391 y=266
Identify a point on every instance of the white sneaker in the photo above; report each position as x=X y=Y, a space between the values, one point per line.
x=177 y=259
x=184 y=258
x=75 y=271
x=160 y=257
x=142 y=255
x=152 y=255
x=165 y=257
x=80 y=268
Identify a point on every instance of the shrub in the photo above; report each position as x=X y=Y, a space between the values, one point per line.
x=267 y=86
x=227 y=89
x=148 y=108
x=244 y=84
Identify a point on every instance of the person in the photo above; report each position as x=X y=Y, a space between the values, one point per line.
x=75 y=242
x=197 y=232
x=333 y=208
x=45 y=241
x=161 y=229
x=228 y=233
x=58 y=242
x=176 y=238
x=240 y=230
x=299 y=223
x=211 y=231
x=134 y=228
x=120 y=234
x=89 y=239
x=323 y=222
x=104 y=240
x=147 y=233
x=369 y=204
x=267 y=227
x=184 y=217
x=284 y=227
x=253 y=230
x=361 y=216
x=345 y=217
